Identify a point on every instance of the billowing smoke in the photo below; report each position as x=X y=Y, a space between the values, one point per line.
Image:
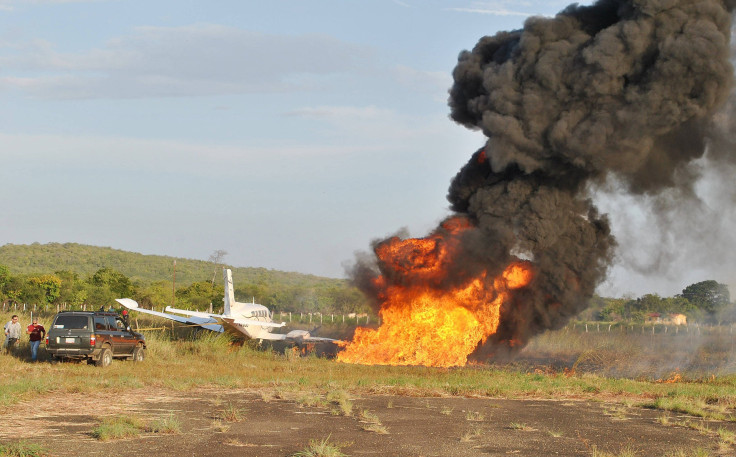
x=621 y=90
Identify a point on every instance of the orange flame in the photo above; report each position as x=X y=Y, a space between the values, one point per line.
x=674 y=378
x=424 y=323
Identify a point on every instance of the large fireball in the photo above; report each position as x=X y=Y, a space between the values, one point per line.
x=422 y=321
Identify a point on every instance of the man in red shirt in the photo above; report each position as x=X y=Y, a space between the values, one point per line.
x=37 y=333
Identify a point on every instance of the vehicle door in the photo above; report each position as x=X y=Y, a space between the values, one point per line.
x=116 y=336
x=122 y=339
x=129 y=340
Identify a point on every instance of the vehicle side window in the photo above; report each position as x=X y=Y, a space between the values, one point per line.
x=111 y=322
x=100 y=323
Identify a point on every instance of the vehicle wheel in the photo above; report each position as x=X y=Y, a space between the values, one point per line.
x=105 y=358
x=138 y=354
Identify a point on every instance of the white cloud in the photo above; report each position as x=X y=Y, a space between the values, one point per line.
x=202 y=59
x=493 y=12
x=67 y=152
x=514 y=8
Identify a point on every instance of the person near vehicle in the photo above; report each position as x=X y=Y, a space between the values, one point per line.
x=37 y=333
x=12 y=333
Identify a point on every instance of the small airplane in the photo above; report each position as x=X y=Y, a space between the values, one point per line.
x=249 y=320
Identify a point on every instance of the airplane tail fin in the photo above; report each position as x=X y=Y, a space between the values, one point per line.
x=229 y=290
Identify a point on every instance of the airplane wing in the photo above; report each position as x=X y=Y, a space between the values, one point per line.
x=210 y=323
x=192 y=313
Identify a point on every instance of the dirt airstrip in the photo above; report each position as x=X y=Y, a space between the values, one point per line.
x=412 y=426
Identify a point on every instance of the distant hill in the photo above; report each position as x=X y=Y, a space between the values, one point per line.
x=85 y=260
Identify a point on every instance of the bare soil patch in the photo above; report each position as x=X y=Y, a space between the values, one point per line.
x=273 y=426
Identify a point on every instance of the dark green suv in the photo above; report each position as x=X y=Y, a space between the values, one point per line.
x=96 y=336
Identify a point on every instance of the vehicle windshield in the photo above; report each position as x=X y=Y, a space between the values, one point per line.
x=73 y=322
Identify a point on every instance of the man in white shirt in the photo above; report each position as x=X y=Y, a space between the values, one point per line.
x=12 y=333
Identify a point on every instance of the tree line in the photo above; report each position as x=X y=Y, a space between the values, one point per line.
x=103 y=286
x=95 y=276
x=705 y=301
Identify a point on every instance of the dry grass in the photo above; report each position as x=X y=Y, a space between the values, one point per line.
x=471 y=434
x=22 y=449
x=341 y=399
x=220 y=426
x=320 y=448
x=697 y=452
x=168 y=425
x=372 y=423
x=118 y=427
x=231 y=413
x=475 y=416
x=520 y=426
x=616 y=412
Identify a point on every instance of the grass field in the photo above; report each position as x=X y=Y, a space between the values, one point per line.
x=689 y=372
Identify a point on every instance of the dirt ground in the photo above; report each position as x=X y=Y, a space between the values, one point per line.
x=272 y=426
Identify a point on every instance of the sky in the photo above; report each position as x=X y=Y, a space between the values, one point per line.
x=289 y=133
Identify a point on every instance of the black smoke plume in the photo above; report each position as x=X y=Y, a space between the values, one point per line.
x=622 y=89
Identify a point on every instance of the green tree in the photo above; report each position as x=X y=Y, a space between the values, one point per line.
x=73 y=289
x=4 y=277
x=199 y=295
x=42 y=289
x=117 y=283
x=612 y=309
x=156 y=295
x=346 y=299
x=14 y=288
x=709 y=296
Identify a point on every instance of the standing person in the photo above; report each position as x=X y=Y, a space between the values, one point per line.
x=37 y=333
x=12 y=333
